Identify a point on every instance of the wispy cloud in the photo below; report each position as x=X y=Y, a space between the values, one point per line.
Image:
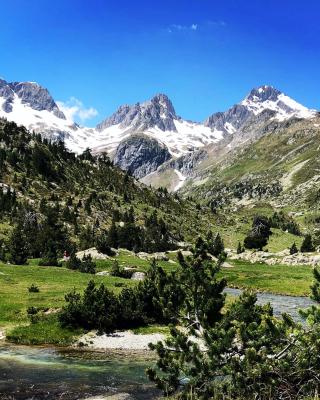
x=219 y=22
x=74 y=108
x=179 y=28
x=204 y=26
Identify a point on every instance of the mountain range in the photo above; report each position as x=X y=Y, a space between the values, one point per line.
x=152 y=142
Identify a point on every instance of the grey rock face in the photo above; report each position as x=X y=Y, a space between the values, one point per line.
x=31 y=94
x=140 y=155
x=240 y=114
x=236 y=116
x=158 y=112
x=264 y=93
x=186 y=163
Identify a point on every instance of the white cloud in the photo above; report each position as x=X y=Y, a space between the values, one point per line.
x=74 y=108
x=178 y=27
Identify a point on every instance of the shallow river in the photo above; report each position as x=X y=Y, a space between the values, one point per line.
x=48 y=373
x=281 y=304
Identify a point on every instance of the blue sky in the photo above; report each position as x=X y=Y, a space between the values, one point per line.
x=204 y=54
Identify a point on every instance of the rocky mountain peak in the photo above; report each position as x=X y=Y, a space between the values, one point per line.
x=155 y=113
x=164 y=103
x=263 y=93
x=30 y=94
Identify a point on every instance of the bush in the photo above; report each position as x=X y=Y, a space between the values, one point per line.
x=33 y=289
x=293 y=249
x=152 y=300
x=119 y=271
x=102 y=245
x=86 y=265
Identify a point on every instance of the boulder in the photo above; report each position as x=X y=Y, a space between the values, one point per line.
x=138 y=276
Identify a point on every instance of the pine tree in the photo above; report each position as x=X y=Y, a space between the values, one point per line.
x=293 y=249
x=240 y=249
x=218 y=246
x=307 y=244
x=113 y=238
x=18 y=246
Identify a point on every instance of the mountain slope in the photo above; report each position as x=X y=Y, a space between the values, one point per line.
x=86 y=191
x=281 y=167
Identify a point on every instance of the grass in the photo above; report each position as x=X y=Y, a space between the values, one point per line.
x=46 y=331
x=55 y=282
x=128 y=259
x=146 y=330
x=279 y=279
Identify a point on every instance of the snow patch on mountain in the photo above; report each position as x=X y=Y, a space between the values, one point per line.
x=268 y=98
x=181 y=182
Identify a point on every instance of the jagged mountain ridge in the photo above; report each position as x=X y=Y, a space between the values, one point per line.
x=174 y=143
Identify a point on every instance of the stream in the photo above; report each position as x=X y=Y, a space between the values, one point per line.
x=48 y=373
x=280 y=303
x=37 y=373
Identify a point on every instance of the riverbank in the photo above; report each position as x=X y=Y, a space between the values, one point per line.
x=125 y=340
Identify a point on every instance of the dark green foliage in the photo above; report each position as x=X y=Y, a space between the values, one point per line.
x=281 y=221
x=70 y=193
x=120 y=271
x=240 y=248
x=156 y=299
x=307 y=244
x=103 y=243
x=259 y=234
x=18 y=246
x=33 y=289
x=242 y=353
x=86 y=265
x=96 y=309
x=49 y=258
x=215 y=244
x=293 y=249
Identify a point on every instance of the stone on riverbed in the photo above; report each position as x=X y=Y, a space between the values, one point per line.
x=118 y=396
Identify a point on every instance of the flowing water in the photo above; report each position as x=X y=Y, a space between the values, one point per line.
x=280 y=303
x=48 y=373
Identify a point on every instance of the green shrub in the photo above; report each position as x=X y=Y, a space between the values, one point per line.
x=33 y=289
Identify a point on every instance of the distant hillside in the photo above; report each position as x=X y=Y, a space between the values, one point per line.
x=88 y=193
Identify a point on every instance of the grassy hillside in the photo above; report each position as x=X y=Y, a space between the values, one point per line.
x=279 y=171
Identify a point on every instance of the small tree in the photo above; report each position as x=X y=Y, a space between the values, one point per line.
x=50 y=256
x=102 y=244
x=218 y=246
x=18 y=247
x=307 y=244
x=87 y=265
x=293 y=249
x=258 y=237
x=240 y=248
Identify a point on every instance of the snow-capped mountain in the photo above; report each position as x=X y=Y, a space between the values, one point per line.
x=264 y=99
x=31 y=105
x=157 y=119
x=143 y=136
